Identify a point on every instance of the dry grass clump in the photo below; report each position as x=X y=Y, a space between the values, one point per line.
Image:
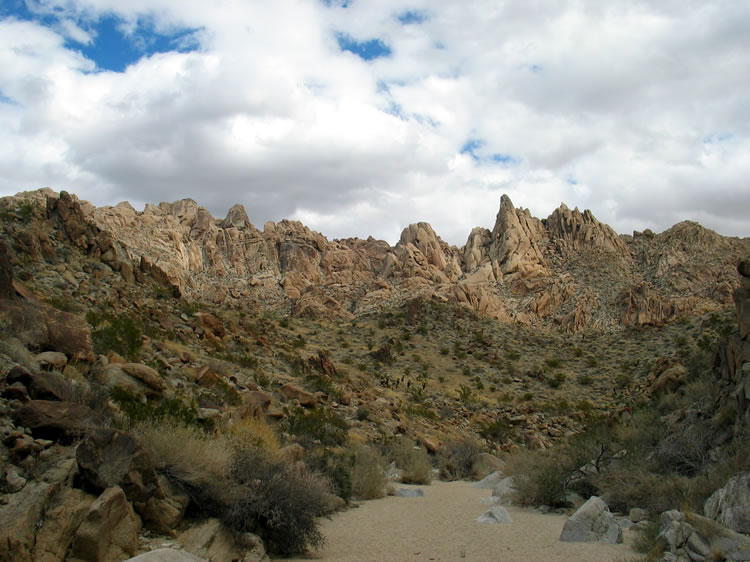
x=539 y=479
x=368 y=473
x=185 y=453
x=413 y=461
x=255 y=431
x=17 y=352
x=248 y=487
x=456 y=459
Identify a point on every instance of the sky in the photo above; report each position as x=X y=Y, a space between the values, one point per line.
x=359 y=117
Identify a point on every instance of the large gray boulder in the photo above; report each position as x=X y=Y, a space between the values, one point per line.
x=592 y=522
x=730 y=505
x=694 y=537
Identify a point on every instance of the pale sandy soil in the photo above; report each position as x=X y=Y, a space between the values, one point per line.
x=441 y=526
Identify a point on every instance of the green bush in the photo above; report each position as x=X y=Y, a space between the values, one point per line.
x=316 y=424
x=497 y=430
x=165 y=410
x=119 y=333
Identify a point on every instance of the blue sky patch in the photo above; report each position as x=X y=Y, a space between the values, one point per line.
x=111 y=48
x=114 y=50
x=412 y=17
x=366 y=50
x=470 y=148
x=337 y=3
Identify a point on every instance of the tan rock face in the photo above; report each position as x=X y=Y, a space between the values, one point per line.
x=523 y=270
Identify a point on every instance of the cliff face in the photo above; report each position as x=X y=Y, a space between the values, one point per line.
x=568 y=269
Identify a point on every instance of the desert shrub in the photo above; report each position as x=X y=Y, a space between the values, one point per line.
x=167 y=410
x=368 y=473
x=277 y=500
x=497 y=430
x=362 y=413
x=686 y=451
x=553 y=363
x=253 y=431
x=557 y=380
x=645 y=541
x=316 y=424
x=17 y=352
x=456 y=459
x=585 y=380
x=414 y=462
x=628 y=487
x=538 y=478
x=118 y=333
x=195 y=462
x=334 y=465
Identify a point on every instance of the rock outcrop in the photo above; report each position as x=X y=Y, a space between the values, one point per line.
x=568 y=270
x=592 y=522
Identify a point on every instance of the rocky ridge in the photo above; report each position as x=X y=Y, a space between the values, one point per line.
x=568 y=270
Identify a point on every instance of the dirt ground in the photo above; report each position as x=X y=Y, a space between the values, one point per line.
x=441 y=526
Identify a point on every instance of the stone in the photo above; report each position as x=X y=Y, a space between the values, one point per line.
x=50 y=386
x=504 y=489
x=51 y=360
x=61 y=521
x=14 y=482
x=54 y=420
x=41 y=326
x=490 y=481
x=487 y=464
x=109 y=531
x=638 y=514
x=111 y=458
x=164 y=510
x=730 y=505
x=212 y=541
x=592 y=522
x=409 y=493
x=138 y=379
x=497 y=514
x=24 y=510
x=166 y=555
x=293 y=392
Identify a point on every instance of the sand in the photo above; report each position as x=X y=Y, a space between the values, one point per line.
x=441 y=526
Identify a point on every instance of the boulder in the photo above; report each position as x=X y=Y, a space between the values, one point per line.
x=61 y=521
x=50 y=386
x=293 y=392
x=40 y=326
x=592 y=522
x=694 y=537
x=111 y=458
x=504 y=488
x=409 y=493
x=21 y=516
x=51 y=360
x=490 y=481
x=54 y=420
x=211 y=540
x=133 y=377
x=164 y=510
x=109 y=531
x=730 y=505
x=166 y=555
x=497 y=514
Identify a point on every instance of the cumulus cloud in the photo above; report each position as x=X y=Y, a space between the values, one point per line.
x=361 y=117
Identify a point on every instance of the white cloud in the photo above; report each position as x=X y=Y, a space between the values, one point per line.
x=640 y=112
